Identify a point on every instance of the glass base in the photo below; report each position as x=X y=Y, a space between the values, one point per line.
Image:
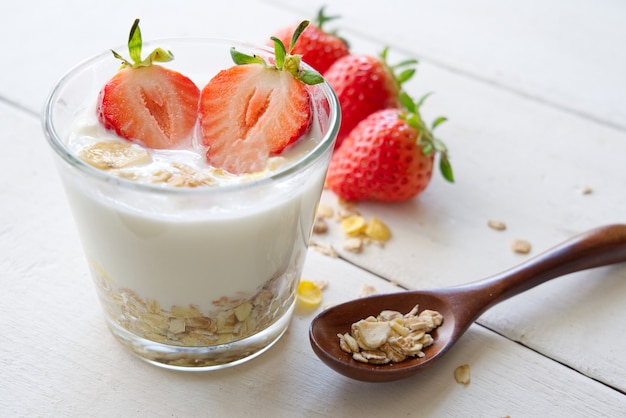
x=203 y=358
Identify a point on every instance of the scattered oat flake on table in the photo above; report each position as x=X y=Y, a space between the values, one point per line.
x=309 y=294
x=377 y=230
x=322 y=284
x=376 y=242
x=357 y=226
x=353 y=225
x=346 y=208
x=357 y=229
x=367 y=290
x=327 y=250
x=462 y=374
x=497 y=225
x=520 y=246
x=324 y=211
x=320 y=226
x=344 y=213
x=353 y=244
x=586 y=189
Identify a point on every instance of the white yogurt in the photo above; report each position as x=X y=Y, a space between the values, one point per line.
x=173 y=251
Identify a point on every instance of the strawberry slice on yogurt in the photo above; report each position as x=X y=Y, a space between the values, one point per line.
x=256 y=109
x=149 y=104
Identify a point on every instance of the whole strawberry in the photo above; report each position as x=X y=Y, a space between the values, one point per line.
x=148 y=103
x=387 y=157
x=318 y=48
x=365 y=84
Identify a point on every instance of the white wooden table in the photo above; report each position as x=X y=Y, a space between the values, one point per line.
x=536 y=99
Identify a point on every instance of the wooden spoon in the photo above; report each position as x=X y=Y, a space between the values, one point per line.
x=460 y=305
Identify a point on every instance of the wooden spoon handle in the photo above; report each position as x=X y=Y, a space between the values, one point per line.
x=599 y=247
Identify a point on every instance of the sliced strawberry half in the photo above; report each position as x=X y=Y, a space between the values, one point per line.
x=249 y=112
x=152 y=105
x=149 y=104
x=254 y=110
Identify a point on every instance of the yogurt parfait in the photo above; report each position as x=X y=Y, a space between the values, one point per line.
x=194 y=183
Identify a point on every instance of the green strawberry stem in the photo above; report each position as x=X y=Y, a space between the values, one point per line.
x=135 y=44
x=294 y=38
x=322 y=18
x=399 y=73
x=284 y=60
x=426 y=140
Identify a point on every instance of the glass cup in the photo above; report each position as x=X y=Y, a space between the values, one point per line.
x=191 y=278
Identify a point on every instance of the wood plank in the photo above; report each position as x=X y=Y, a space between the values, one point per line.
x=568 y=54
x=58 y=358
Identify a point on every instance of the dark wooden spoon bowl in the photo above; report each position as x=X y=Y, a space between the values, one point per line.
x=460 y=305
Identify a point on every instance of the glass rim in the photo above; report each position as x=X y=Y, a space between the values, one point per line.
x=61 y=149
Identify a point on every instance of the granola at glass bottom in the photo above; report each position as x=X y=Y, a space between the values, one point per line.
x=231 y=319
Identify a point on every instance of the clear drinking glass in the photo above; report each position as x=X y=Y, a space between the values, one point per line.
x=191 y=278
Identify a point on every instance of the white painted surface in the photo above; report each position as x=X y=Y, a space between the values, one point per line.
x=524 y=138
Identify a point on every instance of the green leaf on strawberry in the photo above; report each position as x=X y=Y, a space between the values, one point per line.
x=135 y=45
x=317 y=46
x=284 y=60
x=400 y=73
x=322 y=18
x=426 y=140
x=296 y=35
x=445 y=167
x=148 y=104
x=438 y=121
x=240 y=58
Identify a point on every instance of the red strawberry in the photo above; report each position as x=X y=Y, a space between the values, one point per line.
x=318 y=47
x=253 y=110
x=146 y=103
x=388 y=157
x=365 y=84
